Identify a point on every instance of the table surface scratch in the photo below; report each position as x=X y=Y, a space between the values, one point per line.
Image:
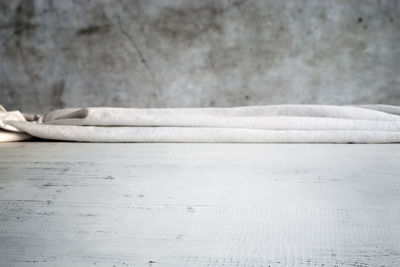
x=81 y=204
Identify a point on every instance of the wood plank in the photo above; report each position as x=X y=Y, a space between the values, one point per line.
x=80 y=204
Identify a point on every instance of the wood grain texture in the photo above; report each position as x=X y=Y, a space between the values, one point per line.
x=78 y=204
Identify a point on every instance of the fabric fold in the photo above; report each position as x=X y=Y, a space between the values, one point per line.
x=114 y=116
x=201 y=134
x=252 y=124
x=9 y=133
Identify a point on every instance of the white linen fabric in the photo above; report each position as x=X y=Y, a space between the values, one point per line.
x=9 y=133
x=252 y=124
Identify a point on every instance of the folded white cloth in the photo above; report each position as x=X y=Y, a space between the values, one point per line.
x=8 y=133
x=253 y=124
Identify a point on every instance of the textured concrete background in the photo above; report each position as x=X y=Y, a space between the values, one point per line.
x=174 y=53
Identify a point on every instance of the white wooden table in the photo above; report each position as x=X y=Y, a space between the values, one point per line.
x=77 y=204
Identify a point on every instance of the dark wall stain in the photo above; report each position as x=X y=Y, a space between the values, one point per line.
x=57 y=91
x=24 y=12
x=186 y=25
x=92 y=29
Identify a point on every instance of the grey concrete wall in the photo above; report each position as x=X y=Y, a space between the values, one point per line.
x=169 y=53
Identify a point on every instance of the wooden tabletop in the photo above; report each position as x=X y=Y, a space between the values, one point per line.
x=81 y=204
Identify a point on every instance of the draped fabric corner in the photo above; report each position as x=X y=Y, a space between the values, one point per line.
x=8 y=133
x=251 y=124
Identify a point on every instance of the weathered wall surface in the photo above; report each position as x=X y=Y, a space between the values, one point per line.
x=197 y=53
